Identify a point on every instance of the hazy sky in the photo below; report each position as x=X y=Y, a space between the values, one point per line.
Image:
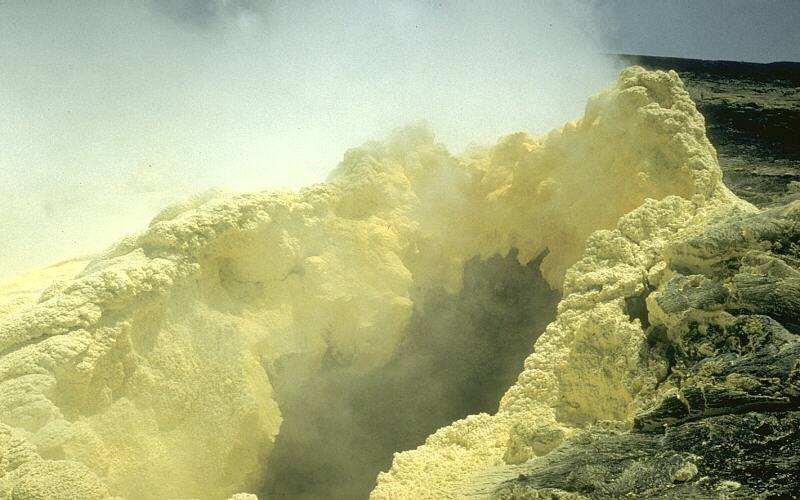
x=111 y=109
x=738 y=30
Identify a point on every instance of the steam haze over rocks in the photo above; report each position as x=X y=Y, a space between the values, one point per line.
x=406 y=250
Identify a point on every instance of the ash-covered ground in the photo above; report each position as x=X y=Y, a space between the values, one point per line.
x=752 y=116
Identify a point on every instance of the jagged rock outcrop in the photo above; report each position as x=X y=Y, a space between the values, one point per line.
x=725 y=421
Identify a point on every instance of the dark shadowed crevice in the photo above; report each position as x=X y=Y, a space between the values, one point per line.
x=461 y=353
x=636 y=308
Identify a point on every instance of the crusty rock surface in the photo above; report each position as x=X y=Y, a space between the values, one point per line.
x=752 y=113
x=150 y=374
x=724 y=423
x=588 y=366
x=679 y=373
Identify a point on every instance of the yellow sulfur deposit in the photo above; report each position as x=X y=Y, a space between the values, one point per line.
x=150 y=374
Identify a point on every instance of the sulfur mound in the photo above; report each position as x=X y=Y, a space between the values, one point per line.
x=588 y=365
x=150 y=375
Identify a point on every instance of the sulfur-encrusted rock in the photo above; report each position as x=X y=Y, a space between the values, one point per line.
x=152 y=371
x=725 y=421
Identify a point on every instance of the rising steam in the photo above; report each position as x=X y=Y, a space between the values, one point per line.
x=291 y=322
x=112 y=110
x=243 y=342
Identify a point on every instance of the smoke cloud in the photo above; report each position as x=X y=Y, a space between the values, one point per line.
x=205 y=14
x=111 y=110
x=460 y=353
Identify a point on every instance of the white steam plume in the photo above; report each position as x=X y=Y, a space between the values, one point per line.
x=110 y=110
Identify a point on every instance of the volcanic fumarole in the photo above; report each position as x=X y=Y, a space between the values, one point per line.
x=153 y=372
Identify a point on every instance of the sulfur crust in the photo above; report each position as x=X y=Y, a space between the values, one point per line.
x=586 y=367
x=150 y=375
x=25 y=289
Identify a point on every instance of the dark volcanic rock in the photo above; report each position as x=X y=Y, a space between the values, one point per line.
x=756 y=370
x=726 y=420
x=754 y=455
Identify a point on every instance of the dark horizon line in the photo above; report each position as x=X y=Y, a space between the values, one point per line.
x=622 y=54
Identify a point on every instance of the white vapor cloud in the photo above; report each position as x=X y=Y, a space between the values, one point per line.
x=110 y=110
